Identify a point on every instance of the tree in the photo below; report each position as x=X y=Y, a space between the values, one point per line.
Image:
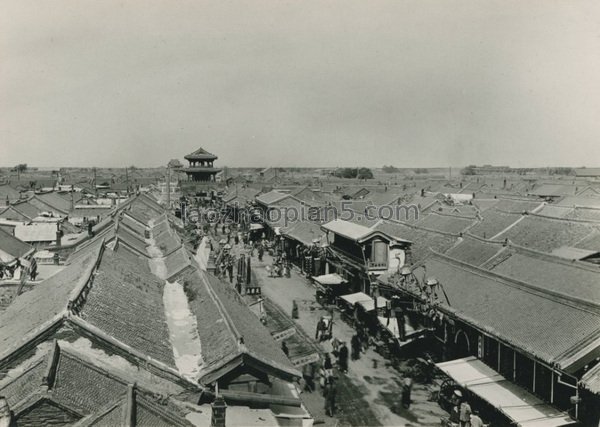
x=469 y=170
x=21 y=167
x=361 y=173
x=390 y=169
x=365 y=173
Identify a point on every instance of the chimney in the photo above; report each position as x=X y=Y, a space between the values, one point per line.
x=219 y=408
x=5 y=414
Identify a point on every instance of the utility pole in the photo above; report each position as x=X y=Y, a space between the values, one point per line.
x=95 y=186
x=168 y=187
x=127 y=180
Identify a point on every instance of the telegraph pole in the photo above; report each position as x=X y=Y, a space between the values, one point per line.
x=168 y=187
x=95 y=186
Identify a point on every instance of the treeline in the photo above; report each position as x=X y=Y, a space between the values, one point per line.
x=356 y=173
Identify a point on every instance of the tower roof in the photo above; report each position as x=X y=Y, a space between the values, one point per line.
x=200 y=154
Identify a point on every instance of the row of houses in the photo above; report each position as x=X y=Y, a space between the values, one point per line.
x=97 y=342
x=506 y=284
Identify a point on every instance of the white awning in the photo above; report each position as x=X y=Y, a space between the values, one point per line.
x=369 y=305
x=391 y=325
x=329 y=279
x=354 y=298
x=522 y=407
x=255 y=226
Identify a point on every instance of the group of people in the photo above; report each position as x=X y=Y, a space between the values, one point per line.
x=321 y=373
x=462 y=414
x=280 y=267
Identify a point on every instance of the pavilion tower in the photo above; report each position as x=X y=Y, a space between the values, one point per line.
x=201 y=166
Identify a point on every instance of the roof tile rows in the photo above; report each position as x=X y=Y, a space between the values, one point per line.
x=126 y=302
x=545 y=234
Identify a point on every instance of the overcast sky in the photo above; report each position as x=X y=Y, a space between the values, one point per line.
x=305 y=83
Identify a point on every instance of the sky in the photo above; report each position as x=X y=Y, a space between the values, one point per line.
x=416 y=83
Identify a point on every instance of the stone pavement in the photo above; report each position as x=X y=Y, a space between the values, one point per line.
x=366 y=395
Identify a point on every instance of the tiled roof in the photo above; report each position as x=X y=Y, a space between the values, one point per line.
x=554 y=190
x=591 y=380
x=517 y=205
x=52 y=201
x=305 y=232
x=241 y=196
x=90 y=384
x=474 y=251
x=8 y=191
x=20 y=211
x=548 y=327
x=348 y=229
x=591 y=242
x=12 y=246
x=493 y=222
x=257 y=339
x=556 y=211
x=569 y=278
x=176 y=261
x=132 y=240
x=271 y=197
x=223 y=319
x=544 y=234
x=446 y=223
x=200 y=154
x=590 y=202
x=133 y=225
x=587 y=214
x=422 y=240
x=38 y=307
x=218 y=342
x=126 y=302
x=485 y=204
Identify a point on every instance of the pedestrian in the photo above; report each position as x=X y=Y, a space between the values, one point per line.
x=261 y=252
x=465 y=414
x=318 y=332
x=335 y=344
x=230 y=271
x=476 y=421
x=406 y=391
x=343 y=358
x=308 y=375
x=330 y=394
x=356 y=347
x=328 y=366
x=285 y=349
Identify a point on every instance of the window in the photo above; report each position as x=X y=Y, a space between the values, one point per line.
x=379 y=252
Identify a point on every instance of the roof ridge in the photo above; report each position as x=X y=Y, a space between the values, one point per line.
x=419 y=227
x=576 y=220
x=554 y=258
x=219 y=304
x=560 y=298
x=77 y=296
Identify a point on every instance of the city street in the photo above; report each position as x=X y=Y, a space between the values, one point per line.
x=366 y=395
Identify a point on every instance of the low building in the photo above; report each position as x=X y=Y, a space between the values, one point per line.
x=358 y=253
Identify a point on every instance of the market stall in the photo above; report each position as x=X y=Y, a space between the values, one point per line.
x=329 y=287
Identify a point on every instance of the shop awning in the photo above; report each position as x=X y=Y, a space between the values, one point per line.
x=329 y=279
x=256 y=227
x=369 y=305
x=522 y=407
x=354 y=298
x=391 y=325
